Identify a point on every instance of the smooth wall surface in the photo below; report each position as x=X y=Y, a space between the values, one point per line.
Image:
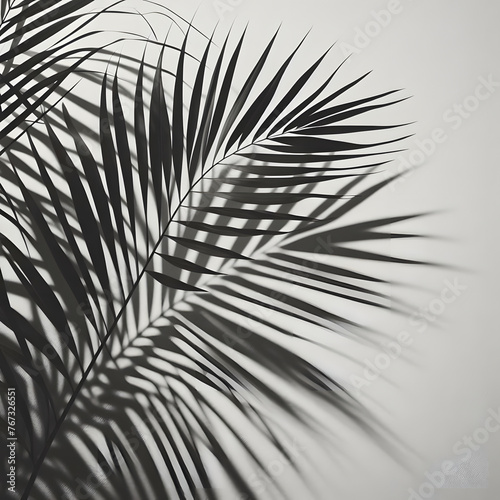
x=439 y=394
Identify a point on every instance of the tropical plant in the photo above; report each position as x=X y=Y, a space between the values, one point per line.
x=158 y=292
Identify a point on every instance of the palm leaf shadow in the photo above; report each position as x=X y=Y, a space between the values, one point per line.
x=186 y=246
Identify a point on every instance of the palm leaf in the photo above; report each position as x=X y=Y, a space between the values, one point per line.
x=173 y=264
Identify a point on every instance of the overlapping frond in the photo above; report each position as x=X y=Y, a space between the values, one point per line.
x=43 y=43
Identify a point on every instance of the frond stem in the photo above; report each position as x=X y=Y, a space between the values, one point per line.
x=43 y=454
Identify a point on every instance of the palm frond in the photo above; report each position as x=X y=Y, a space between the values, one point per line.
x=173 y=277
